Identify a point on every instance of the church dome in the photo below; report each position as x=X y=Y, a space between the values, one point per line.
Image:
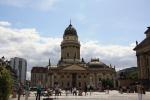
x=70 y=30
x=96 y=63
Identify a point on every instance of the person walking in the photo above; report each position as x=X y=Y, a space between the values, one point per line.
x=26 y=91
x=85 y=90
x=107 y=89
x=90 y=89
x=139 y=91
x=19 y=91
x=38 y=95
x=74 y=91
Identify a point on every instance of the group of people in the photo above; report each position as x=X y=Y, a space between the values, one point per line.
x=139 y=89
x=78 y=92
x=21 y=90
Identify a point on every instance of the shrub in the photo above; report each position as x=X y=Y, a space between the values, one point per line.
x=5 y=83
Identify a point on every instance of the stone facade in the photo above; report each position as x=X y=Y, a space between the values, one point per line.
x=71 y=71
x=143 y=59
x=39 y=74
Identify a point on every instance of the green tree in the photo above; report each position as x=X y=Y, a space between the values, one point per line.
x=106 y=82
x=5 y=83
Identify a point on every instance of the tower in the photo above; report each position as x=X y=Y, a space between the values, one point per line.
x=70 y=46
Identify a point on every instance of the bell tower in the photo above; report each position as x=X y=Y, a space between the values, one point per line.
x=70 y=46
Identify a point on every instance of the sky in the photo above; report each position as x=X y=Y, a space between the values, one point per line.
x=107 y=29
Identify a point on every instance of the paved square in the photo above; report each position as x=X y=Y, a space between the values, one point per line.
x=113 y=95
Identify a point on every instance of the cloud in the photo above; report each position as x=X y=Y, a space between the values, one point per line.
x=29 y=44
x=119 y=55
x=35 y=4
x=5 y=23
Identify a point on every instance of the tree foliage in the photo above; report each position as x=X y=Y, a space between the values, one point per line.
x=5 y=83
x=107 y=83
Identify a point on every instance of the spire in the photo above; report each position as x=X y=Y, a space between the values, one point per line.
x=136 y=42
x=114 y=67
x=70 y=21
x=49 y=64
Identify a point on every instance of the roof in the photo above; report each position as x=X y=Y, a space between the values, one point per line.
x=70 y=30
x=144 y=43
x=39 y=70
x=96 y=63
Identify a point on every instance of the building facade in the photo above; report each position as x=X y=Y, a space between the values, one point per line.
x=71 y=71
x=143 y=59
x=20 y=66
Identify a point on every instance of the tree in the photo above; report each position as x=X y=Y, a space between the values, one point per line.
x=5 y=83
x=107 y=82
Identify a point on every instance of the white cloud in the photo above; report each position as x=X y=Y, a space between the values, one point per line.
x=37 y=49
x=36 y=4
x=118 y=55
x=5 y=23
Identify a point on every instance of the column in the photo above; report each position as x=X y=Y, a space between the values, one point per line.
x=52 y=80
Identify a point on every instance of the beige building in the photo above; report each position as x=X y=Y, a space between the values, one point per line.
x=71 y=71
x=143 y=59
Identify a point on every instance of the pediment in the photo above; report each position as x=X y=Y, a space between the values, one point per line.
x=74 y=67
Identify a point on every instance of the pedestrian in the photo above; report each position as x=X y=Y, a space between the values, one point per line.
x=85 y=90
x=66 y=91
x=38 y=95
x=26 y=91
x=80 y=92
x=107 y=89
x=19 y=91
x=56 y=91
x=59 y=91
x=139 y=91
x=90 y=89
x=74 y=91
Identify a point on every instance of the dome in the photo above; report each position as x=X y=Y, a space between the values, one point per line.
x=95 y=63
x=70 y=30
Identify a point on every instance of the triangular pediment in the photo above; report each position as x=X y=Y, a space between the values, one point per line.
x=74 y=67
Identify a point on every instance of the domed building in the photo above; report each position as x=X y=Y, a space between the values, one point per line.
x=71 y=70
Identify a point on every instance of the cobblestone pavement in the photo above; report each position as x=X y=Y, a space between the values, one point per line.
x=113 y=95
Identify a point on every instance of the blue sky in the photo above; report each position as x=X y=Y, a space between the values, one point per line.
x=107 y=29
x=108 y=21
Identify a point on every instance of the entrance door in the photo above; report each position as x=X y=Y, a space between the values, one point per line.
x=74 y=79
